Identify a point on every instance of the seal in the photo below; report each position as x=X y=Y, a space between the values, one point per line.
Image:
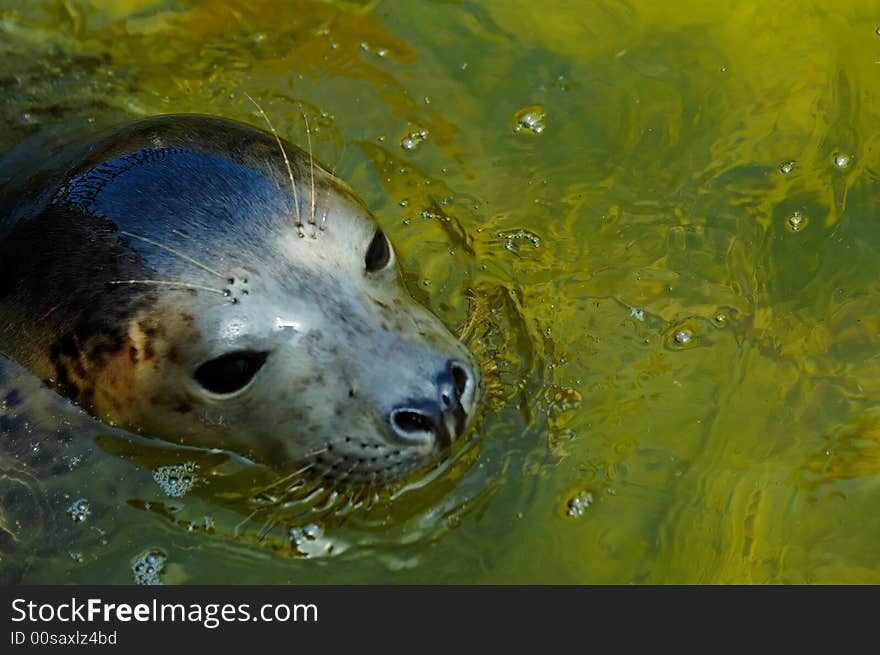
x=201 y=281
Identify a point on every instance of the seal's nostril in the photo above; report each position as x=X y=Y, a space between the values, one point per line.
x=408 y=421
x=421 y=424
x=439 y=418
x=461 y=376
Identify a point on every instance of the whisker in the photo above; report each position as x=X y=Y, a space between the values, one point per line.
x=263 y=532
x=235 y=530
x=311 y=166
x=49 y=313
x=299 y=223
x=320 y=451
x=175 y=252
x=346 y=473
x=286 y=478
x=326 y=209
x=172 y=283
x=370 y=492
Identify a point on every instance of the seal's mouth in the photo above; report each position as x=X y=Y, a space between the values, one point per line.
x=423 y=435
x=363 y=462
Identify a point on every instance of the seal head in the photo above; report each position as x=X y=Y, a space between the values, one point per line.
x=196 y=280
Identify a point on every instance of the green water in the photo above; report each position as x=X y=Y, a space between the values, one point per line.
x=672 y=286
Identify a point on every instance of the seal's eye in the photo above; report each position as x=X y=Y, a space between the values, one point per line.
x=378 y=253
x=230 y=372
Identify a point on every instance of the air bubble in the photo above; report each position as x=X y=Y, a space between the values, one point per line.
x=149 y=566
x=683 y=337
x=842 y=160
x=531 y=119
x=514 y=237
x=414 y=139
x=79 y=511
x=795 y=222
x=563 y=83
x=564 y=399
x=176 y=480
x=578 y=504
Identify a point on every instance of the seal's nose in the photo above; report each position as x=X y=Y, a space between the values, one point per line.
x=440 y=419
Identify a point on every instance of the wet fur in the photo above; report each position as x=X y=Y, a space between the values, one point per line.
x=116 y=272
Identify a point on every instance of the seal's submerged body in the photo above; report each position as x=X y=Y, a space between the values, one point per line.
x=195 y=280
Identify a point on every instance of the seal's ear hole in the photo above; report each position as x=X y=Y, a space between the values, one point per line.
x=378 y=253
x=230 y=372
